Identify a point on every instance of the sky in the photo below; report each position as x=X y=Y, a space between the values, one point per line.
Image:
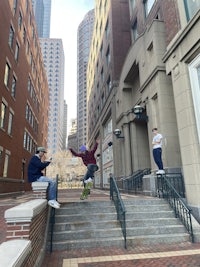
x=66 y=15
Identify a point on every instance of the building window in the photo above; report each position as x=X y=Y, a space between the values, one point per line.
x=132 y=4
x=101 y=51
x=194 y=72
x=24 y=35
x=107 y=129
x=102 y=75
x=20 y=21
x=13 y=89
x=147 y=6
x=10 y=122
x=134 y=31
x=11 y=37
x=108 y=56
x=109 y=84
x=107 y=29
x=191 y=8
x=3 y=115
x=7 y=75
x=15 y=6
x=27 y=47
x=17 y=51
x=5 y=169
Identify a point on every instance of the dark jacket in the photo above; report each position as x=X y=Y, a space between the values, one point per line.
x=35 y=168
x=88 y=156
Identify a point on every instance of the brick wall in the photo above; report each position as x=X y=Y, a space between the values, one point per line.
x=29 y=221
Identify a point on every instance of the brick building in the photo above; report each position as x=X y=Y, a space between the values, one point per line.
x=23 y=93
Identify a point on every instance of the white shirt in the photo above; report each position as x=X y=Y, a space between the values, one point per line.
x=157 y=138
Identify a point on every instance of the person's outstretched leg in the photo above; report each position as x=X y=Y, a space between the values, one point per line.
x=51 y=191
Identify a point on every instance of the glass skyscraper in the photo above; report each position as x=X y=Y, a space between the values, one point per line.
x=42 y=11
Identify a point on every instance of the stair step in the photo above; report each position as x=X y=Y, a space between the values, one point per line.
x=157 y=239
x=88 y=243
x=155 y=230
x=95 y=217
x=150 y=214
x=136 y=208
x=87 y=234
x=77 y=225
x=132 y=222
x=94 y=224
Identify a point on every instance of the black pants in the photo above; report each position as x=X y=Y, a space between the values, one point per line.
x=91 y=169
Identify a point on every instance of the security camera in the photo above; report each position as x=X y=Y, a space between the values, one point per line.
x=110 y=143
x=117 y=132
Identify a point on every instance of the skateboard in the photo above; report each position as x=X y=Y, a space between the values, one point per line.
x=86 y=190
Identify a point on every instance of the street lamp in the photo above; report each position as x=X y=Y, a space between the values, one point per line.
x=138 y=111
x=117 y=133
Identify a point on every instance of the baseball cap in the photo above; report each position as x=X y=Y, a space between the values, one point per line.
x=41 y=149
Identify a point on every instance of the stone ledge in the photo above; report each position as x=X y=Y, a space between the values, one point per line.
x=25 y=211
x=150 y=185
x=38 y=186
x=14 y=252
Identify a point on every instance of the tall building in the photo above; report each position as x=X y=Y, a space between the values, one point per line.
x=24 y=93
x=53 y=55
x=157 y=84
x=42 y=11
x=84 y=37
x=110 y=43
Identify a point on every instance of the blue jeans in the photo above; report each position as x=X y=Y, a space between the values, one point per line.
x=51 y=188
x=157 y=155
x=91 y=169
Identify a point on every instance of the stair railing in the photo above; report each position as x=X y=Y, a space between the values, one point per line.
x=134 y=183
x=52 y=218
x=181 y=210
x=119 y=205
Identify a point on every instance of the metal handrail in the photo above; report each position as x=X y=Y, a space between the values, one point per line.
x=181 y=210
x=52 y=218
x=134 y=183
x=119 y=205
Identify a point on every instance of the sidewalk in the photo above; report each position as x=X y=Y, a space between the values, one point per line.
x=181 y=255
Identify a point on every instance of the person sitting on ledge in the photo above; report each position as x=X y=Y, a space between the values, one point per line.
x=35 y=167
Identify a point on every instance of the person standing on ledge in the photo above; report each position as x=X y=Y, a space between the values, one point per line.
x=157 y=150
x=35 y=173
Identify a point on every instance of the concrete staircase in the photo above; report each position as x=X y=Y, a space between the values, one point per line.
x=151 y=221
x=94 y=224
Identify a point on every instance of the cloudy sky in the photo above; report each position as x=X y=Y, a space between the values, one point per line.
x=66 y=15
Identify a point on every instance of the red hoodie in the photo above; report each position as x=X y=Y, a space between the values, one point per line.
x=87 y=156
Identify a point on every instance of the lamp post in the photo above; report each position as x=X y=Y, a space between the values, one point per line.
x=138 y=111
x=117 y=133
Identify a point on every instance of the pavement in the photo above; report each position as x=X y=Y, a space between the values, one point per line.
x=165 y=255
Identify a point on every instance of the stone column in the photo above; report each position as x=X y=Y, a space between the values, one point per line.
x=127 y=146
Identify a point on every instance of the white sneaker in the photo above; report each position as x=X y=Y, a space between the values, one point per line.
x=160 y=172
x=54 y=204
x=58 y=203
x=88 y=180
